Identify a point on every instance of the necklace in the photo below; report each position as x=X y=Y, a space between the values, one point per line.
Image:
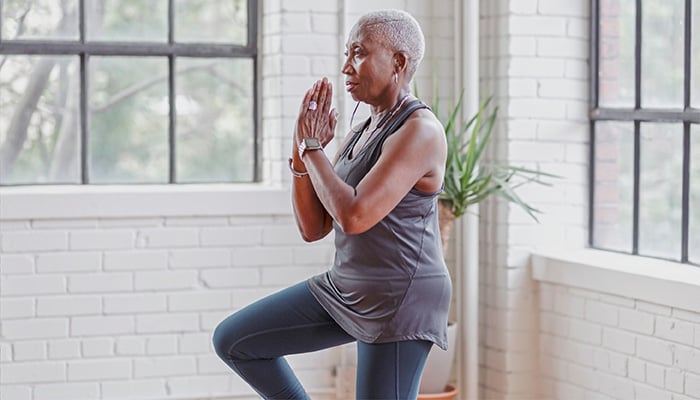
x=391 y=112
x=380 y=124
x=387 y=116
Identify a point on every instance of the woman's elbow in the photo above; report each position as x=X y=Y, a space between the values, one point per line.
x=353 y=225
x=313 y=235
x=310 y=238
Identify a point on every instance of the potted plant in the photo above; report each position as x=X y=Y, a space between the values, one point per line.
x=469 y=180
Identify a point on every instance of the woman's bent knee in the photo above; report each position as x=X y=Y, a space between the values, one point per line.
x=226 y=338
x=252 y=332
x=220 y=342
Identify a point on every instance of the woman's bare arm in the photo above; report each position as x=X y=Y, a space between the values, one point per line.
x=413 y=156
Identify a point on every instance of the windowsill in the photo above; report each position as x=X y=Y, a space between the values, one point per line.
x=655 y=281
x=115 y=201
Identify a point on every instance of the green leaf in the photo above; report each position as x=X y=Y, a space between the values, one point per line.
x=468 y=179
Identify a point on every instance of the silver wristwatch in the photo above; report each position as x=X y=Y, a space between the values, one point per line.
x=309 y=144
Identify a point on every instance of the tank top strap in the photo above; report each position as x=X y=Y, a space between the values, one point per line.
x=394 y=125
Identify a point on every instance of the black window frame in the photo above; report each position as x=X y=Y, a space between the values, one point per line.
x=170 y=49
x=637 y=115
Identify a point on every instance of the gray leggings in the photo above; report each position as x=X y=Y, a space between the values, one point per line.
x=254 y=340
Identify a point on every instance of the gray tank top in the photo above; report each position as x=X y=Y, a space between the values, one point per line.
x=389 y=283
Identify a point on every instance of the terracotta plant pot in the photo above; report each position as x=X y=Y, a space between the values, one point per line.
x=449 y=393
x=445 y=220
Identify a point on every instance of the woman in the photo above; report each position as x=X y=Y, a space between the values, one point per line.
x=388 y=289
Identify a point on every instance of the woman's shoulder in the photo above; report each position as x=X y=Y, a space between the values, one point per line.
x=421 y=129
x=424 y=121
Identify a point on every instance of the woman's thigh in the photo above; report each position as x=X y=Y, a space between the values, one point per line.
x=390 y=370
x=290 y=321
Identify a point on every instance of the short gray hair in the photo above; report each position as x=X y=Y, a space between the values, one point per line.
x=398 y=31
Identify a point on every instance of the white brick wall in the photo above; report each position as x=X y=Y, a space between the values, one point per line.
x=125 y=310
x=533 y=61
x=106 y=315
x=642 y=353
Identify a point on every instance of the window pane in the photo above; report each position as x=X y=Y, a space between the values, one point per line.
x=661 y=167
x=695 y=57
x=694 y=239
x=39 y=19
x=39 y=120
x=614 y=184
x=128 y=119
x=214 y=120
x=662 y=53
x=616 y=53
x=211 y=21
x=133 y=20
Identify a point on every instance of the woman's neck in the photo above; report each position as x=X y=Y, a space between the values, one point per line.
x=379 y=119
x=379 y=111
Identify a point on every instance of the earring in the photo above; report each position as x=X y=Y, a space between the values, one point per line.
x=396 y=77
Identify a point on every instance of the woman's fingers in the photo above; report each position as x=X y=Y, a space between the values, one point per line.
x=318 y=99
x=322 y=93
x=332 y=122
x=305 y=101
x=316 y=92
x=328 y=96
x=315 y=119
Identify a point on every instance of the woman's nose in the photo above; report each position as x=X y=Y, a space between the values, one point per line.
x=347 y=67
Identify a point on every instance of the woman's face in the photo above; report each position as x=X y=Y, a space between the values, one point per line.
x=368 y=68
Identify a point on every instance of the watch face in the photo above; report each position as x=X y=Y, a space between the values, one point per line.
x=312 y=143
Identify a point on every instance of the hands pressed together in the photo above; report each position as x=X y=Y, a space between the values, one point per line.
x=316 y=119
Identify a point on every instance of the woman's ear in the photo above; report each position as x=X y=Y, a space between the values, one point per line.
x=399 y=62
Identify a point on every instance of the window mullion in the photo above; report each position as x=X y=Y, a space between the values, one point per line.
x=594 y=54
x=638 y=56
x=172 y=175
x=172 y=120
x=252 y=42
x=591 y=183
x=171 y=22
x=253 y=46
x=685 y=211
x=81 y=20
x=687 y=54
x=637 y=134
x=685 y=208
x=84 y=121
x=635 y=195
x=645 y=115
x=84 y=115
